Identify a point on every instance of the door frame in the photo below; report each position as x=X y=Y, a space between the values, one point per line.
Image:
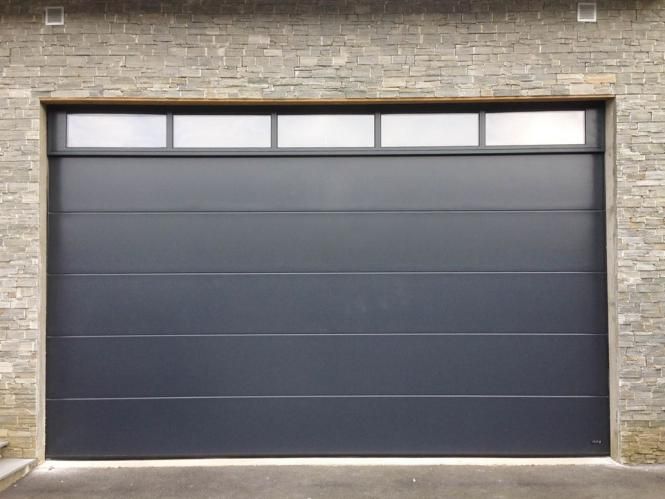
x=610 y=169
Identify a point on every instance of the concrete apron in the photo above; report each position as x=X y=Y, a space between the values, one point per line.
x=341 y=478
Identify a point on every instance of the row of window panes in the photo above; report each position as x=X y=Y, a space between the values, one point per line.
x=326 y=130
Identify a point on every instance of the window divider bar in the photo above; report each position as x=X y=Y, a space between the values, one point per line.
x=169 y=131
x=273 y=131
x=482 y=133
x=377 y=130
x=58 y=132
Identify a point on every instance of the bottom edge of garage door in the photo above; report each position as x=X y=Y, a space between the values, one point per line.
x=432 y=426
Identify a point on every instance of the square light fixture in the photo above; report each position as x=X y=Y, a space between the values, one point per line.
x=54 y=16
x=587 y=12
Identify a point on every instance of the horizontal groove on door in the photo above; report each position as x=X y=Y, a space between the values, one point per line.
x=313 y=212
x=335 y=273
x=395 y=396
x=156 y=335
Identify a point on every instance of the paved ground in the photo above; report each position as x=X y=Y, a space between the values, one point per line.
x=385 y=482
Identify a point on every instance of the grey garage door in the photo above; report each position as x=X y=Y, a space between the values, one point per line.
x=407 y=295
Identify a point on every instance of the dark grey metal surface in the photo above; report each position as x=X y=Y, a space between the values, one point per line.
x=392 y=426
x=412 y=364
x=558 y=181
x=327 y=242
x=327 y=305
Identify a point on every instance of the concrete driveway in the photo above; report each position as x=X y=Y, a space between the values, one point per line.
x=77 y=481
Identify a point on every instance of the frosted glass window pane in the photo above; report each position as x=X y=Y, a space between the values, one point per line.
x=116 y=130
x=326 y=130
x=221 y=131
x=429 y=130
x=535 y=128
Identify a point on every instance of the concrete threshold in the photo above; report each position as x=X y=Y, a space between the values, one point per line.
x=331 y=461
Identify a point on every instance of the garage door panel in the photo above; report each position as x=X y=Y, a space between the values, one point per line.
x=335 y=427
x=328 y=303
x=327 y=242
x=527 y=181
x=178 y=366
x=389 y=301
